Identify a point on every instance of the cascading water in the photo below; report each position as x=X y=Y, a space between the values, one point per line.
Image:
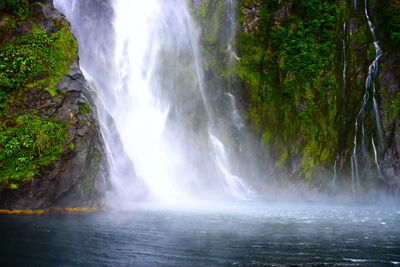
x=368 y=98
x=231 y=14
x=143 y=58
x=334 y=175
x=235 y=117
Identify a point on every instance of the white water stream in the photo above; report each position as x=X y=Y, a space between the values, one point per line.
x=369 y=95
x=143 y=59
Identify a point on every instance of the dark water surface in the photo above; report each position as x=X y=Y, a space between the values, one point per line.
x=250 y=234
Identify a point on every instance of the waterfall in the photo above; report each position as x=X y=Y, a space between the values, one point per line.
x=344 y=56
x=334 y=175
x=235 y=115
x=231 y=14
x=143 y=59
x=368 y=98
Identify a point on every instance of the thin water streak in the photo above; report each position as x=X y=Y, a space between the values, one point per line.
x=370 y=93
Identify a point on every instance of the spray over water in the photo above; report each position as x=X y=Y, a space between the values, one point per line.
x=143 y=58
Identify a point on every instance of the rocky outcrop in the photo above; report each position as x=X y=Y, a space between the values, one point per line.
x=78 y=177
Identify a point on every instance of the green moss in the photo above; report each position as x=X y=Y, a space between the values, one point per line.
x=17 y=7
x=288 y=68
x=266 y=137
x=361 y=35
x=36 y=60
x=29 y=145
x=3 y=98
x=210 y=17
x=389 y=22
x=71 y=146
x=88 y=182
x=84 y=109
x=202 y=9
x=14 y=186
x=283 y=159
x=371 y=53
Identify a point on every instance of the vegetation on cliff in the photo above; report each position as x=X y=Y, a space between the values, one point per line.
x=287 y=63
x=303 y=66
x=31 y=60
x=388 y=13
x=32 y=143
x=299 y=70
x=37 y=59
x=15 y=7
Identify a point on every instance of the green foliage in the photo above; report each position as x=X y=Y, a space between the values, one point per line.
x=202 y=9
x=71 y=146
x=29 y=145
x=288 y=67
x=209 y=15
x=389 y=20
x=22 y=59
x=3 y=99
x=88 y=182
x=36 y=60
x=84 y=109
x=17 y=7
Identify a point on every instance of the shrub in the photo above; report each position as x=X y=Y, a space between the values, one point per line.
x=37 y=56
x=18 y=7
x=389 y=21
x=32 y=143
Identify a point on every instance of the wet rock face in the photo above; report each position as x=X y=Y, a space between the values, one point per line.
x=48 y=17
x=283 y=13
x=390 y=83
x=262 y=23
x=252 y=20
x=78 y=177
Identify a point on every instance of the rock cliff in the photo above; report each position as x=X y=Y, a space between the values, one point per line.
x=51 y=100
x=323 y=114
